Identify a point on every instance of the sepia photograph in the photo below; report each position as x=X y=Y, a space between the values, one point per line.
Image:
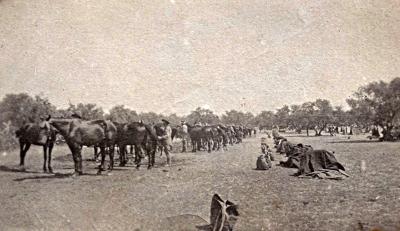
x=199 y=115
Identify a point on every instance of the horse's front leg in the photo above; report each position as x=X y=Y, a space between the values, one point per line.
x=138 y=156
x=150 y=156
x=103 y=159
x=44 y=158
x=21 y=153
x=111 y=155
x=76 y=150
x=96 y=153
x=193 y=145
x=50 y=148
x=122 y=159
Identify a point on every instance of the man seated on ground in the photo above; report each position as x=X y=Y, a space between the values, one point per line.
x=264 y=160
x=266 y=150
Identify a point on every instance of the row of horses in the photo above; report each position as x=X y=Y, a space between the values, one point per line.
x=214 y=137
x=108 y=136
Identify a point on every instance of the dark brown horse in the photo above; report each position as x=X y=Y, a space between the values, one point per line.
x=78 y=133
x=37 y=134
x=210 y=135
x=196 y=134
x=222 y=138
x=139 y=135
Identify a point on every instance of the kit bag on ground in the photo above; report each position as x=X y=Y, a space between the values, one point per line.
x=263 y=162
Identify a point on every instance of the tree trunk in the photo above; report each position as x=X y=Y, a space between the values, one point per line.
x=307 y=132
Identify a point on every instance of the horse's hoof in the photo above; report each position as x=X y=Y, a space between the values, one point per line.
x=98 y=172
x=137 y=167
x=51 y=171
x=75 y=174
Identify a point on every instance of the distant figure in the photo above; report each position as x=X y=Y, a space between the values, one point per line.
x=166 y=140
x=275 y=131
x=264 y=160
x=185 y=135
x=266 y=150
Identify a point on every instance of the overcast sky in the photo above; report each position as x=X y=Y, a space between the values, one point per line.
x=174 y=55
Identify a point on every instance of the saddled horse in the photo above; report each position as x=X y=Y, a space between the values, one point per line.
x=209 y=135
x=37 y=134
x=133 y=134
x=238 y=134
x=222 y=137
x=78 y=133
x=142 y=137
x=195 y=134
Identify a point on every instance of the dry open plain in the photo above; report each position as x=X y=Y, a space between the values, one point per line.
x=130 y=199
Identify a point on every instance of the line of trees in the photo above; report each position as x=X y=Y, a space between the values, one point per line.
x=377 y=103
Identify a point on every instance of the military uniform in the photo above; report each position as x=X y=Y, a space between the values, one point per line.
x=166 y=140
x=184 y=135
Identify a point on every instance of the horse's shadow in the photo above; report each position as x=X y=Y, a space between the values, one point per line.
x=52 y=176
x=353 y=141
x=4 y=168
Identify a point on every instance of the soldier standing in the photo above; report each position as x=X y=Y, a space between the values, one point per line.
x=184 y=135
x=166 y=141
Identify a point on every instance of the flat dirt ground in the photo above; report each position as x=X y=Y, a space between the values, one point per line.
x=130 y=199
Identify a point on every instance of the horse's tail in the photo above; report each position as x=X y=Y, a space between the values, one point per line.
x=174 y=132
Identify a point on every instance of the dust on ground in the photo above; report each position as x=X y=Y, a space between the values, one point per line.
x=130 y=199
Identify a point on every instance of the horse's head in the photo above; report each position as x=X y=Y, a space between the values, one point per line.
x=224 y=214
x=160 y=129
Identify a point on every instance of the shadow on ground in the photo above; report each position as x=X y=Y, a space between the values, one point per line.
x=4 y=168
x=353 y=141
x=52 y=176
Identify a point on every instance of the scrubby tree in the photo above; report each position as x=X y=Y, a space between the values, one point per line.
x=296 y=119
x=88 y=111
x=323 y=115
x=282 y=116
x=22 y=108
x=174 y=119
x=150 y=117
x=203 y=115
x=121 y=114
x=237 y=117
x=18 y=109
x=265 y=120
x=378 y=103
